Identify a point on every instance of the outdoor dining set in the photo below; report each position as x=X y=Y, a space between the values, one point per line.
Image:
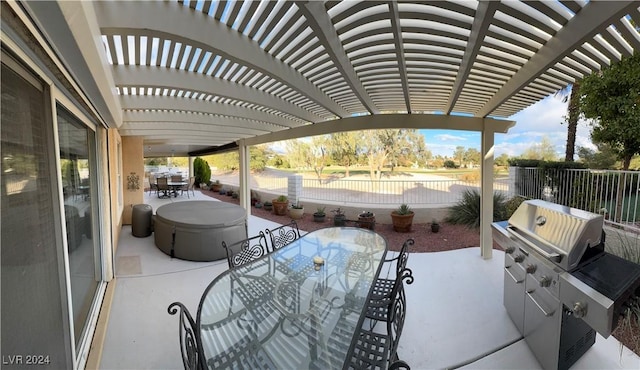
x=167 y=186
x=329 y=299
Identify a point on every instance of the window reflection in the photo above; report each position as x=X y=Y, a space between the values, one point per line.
x=75 y=166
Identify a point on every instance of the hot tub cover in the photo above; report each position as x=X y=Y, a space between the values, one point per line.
x=202 y=214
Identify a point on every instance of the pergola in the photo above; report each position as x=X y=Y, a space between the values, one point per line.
x=199 y=77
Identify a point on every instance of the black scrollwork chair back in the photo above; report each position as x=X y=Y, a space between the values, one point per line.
x=283 y=235
x=383 y=285
x=378 y=349
x=246 y=250
x=382 y=290
x=189 y=342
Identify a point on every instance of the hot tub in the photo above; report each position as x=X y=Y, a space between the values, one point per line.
x=194 y=230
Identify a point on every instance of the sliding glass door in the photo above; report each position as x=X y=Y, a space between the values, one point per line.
x=78 y=167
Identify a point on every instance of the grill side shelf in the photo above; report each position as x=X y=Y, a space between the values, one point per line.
x=587 y=303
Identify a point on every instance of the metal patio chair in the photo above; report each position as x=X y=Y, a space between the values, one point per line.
x=190 y=347
x=246 y=250
x=283 y=235
x=378 y=349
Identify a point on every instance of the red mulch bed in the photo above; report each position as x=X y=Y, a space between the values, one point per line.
x=449 y=237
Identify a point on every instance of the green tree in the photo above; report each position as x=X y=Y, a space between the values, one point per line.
x=472 y=156
x=502 y=160
x=343 y=148
x=610 y=99
x=375 y=151
x=458 y=155
x=202 y=171
x=602 y=158
x=258 y=157
x=544 y=150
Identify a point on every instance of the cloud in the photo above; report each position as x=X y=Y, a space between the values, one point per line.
x=449 y=137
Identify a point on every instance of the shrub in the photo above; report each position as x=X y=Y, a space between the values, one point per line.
x=511 y=205
x=467 y=210
x=202 y=171
x=473 y=176
x=450 y=164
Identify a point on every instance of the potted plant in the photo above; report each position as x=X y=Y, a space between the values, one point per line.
x=435 y=226
x=230 y=192
x=367 y=220
x=216 y=186
x=319 y=214
x=258 y=204
x=338 y=217
x=222 y=191
x=402 y=218
x=280 y=205
x=296 y=211
x=268 y=206
x=255 y=198
x=234 y=195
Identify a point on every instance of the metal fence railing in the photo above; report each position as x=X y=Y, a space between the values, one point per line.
x=615 y=194
x=387 y=192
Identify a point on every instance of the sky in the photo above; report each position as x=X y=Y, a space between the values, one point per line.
x=532 y=124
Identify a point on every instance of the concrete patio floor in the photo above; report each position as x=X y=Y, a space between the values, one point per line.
x=455 y=316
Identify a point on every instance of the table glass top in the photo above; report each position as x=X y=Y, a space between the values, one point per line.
x=285 y=311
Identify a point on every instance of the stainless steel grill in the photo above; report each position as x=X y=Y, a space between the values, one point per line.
x=560 y=286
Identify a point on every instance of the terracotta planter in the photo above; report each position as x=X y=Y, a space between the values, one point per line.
x=402 y=223
x=216 y=187
x=280 y=208
x=296 y=213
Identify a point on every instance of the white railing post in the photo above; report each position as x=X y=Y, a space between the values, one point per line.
x=511 y=182
x=294 y=188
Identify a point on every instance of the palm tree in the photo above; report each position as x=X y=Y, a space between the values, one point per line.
x=573 y=113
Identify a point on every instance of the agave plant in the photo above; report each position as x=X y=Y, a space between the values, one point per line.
x=467 y=210
x=404 y=209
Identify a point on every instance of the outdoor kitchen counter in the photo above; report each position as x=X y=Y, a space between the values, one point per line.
x=194 y=230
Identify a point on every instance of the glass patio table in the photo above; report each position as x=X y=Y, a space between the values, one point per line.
x=296 y=308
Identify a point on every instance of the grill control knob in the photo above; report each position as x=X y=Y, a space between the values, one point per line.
x=545 y=281
x=579 y=309
x=510 y=250
x=531 y=268
x=519 y=258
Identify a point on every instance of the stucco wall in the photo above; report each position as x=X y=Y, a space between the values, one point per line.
x=132 y=165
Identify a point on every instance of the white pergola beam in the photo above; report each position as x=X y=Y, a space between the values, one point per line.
x=190 y=81
x=388 y=121
x=174 y=19
x=595 y=17
x=147 y=102
x=320 y=23
x=402 y=62
x=479 y=29
x=215 y=124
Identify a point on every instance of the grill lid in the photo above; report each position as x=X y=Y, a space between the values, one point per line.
x=561 y=234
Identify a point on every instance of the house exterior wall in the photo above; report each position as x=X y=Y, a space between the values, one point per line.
x=20 y=39
x=132 y=165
